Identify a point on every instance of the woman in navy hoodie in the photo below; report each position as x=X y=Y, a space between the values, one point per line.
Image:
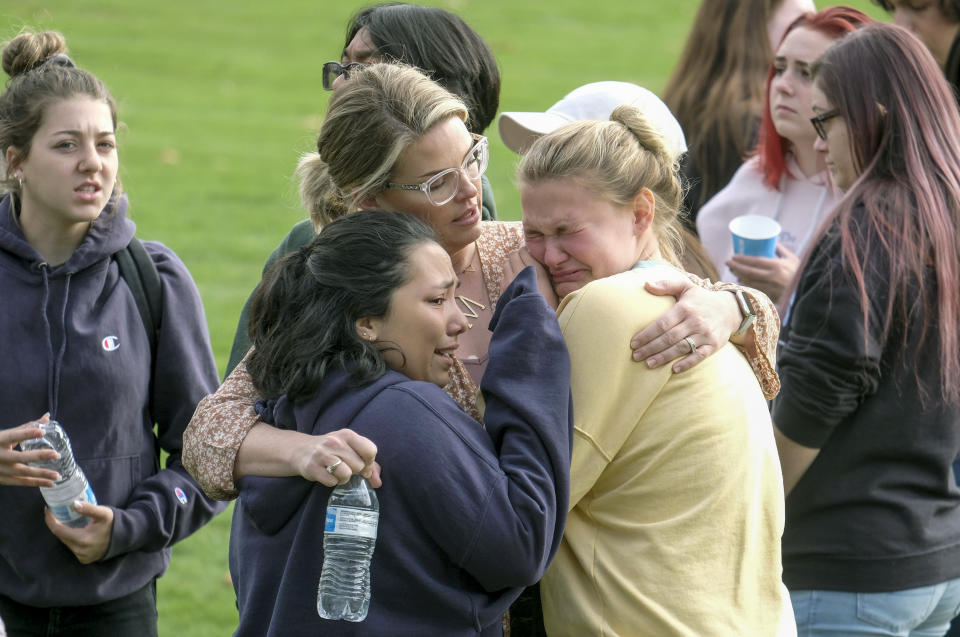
x=75 y=347
x=358 y=330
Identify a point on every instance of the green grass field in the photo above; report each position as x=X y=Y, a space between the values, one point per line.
x=220 y=98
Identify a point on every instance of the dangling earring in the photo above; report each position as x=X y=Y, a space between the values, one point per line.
x=19 y=177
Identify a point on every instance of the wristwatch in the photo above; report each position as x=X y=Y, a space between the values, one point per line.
x=749 y=316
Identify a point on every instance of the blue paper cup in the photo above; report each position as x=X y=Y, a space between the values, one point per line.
x=755 y=235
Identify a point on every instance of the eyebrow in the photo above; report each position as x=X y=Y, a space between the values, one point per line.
x=431 y=173
x=359 y=56
x=79 y=132
x=783 y=58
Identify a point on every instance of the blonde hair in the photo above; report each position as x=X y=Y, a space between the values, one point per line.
x=615 y=159
x=371 y=119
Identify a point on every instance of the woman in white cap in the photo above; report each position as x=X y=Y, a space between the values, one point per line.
x=596 y=101
x=676 y=500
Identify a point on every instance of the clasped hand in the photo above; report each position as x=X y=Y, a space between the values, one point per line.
x=88 y=543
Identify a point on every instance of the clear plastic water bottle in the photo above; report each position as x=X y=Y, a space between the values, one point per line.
x=349 y=536
x=73 y=483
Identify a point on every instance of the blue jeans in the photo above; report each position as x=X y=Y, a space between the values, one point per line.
x=917 y=612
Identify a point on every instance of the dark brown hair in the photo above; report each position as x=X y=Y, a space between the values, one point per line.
x=716 y=90
x=304 y=312
x=903 y=127
x=440 y=44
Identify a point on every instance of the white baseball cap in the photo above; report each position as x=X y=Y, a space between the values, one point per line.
x=595 y=101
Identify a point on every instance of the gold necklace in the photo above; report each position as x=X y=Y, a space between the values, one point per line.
x=469 y=304
x=472 y=306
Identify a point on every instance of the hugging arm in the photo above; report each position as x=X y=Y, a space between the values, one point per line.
x=226 y=440
x=710 y=315
x=213 y=437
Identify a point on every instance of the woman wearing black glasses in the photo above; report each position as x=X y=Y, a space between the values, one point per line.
x=395 y=140
x=868 y=420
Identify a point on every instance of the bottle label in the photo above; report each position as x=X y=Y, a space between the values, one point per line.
x=65 y=513
x=351 y=521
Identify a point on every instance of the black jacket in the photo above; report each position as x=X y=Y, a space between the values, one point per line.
x=878 y=509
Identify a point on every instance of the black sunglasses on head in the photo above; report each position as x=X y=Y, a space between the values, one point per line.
x=333 y=70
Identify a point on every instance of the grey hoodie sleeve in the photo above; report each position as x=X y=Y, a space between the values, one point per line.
x=169 y=505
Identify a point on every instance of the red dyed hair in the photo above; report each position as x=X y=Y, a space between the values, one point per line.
x=835 y=23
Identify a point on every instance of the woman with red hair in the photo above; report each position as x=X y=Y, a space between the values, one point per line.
x=786 y=179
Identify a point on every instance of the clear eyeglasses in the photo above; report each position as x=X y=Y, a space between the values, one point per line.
x=333 y=70
x=445 y=185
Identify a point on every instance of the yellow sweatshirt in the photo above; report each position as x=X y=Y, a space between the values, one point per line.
x=676 y=504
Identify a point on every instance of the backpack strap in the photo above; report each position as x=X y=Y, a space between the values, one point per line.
x=140 y=273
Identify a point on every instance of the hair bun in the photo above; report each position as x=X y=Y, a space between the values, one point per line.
x=646 y=134
x=29 y=50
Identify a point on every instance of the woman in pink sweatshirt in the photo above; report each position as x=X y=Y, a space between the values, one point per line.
x=786 y=179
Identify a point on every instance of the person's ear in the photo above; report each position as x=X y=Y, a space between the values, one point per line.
x=644 y=206
x=13 y=158
x=366 y=329
x=369 y=202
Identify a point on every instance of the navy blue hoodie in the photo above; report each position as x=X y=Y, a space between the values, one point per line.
x=468 y=516
x=74 y=345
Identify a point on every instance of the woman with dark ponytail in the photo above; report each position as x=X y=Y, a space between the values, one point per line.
x=75 y=350
x=358 y=330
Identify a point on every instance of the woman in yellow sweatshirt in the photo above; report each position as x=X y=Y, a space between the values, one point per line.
x=676 y=503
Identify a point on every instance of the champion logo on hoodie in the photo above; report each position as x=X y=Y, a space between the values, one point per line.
x=110 y=343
